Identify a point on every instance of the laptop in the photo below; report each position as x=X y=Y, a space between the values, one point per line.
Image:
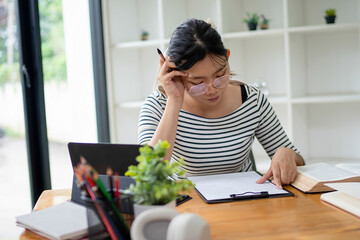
x=101 y=156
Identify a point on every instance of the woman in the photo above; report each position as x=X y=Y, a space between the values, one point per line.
x=209 y=120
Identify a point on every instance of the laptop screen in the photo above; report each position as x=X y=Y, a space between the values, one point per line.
x=101 y=156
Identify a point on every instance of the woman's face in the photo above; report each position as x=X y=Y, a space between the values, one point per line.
x=208 y=80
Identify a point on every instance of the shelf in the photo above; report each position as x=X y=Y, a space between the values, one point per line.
x=324 y=28
x=254 y=34
x=302 y=58
x=327 y=99
x=281 y=100
x=138 y=104
x=137 y=44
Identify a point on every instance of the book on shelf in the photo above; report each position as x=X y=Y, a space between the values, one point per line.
x=347 y=197
x=312 y=178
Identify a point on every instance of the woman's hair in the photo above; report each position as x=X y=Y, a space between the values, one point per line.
x=192 y=41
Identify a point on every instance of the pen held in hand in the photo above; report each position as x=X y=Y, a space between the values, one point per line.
x=163 y=58
x=161 y=55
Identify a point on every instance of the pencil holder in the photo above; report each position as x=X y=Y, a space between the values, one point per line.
x=101 y=216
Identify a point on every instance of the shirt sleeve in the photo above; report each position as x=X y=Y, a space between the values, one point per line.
x=150 y=116
x=270 y=132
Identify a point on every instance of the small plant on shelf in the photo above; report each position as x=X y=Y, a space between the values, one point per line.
x=252 y=20
x=144 y=35
x=264 y=22
x=330 y=15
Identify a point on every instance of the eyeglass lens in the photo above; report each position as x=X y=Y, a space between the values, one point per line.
x=202 y=88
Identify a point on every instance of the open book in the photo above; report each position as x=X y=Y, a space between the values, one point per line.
x=312 y=178
x=347 y=197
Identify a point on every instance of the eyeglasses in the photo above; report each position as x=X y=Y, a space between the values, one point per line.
x=202 y=88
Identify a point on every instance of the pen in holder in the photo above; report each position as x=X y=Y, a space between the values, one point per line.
x=101 y=211
x=110 y=207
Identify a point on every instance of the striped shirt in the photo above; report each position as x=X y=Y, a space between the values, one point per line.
x=218 y=145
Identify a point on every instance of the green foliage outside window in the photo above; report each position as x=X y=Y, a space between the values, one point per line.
x=52 y=43
x=52 y=40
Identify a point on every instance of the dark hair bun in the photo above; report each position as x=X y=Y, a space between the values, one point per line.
x=192 y=41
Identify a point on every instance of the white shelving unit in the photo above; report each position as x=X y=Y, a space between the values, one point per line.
x=312 y=68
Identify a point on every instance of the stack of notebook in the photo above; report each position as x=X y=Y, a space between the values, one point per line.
x=67 y=220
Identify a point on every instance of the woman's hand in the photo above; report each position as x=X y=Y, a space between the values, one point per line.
x=171 y=79
x=283 y=167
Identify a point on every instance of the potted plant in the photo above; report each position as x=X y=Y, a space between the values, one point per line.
x=264 y=22
x=152 y=183
x=252 y=20
x=330 y=15
x=144 y=35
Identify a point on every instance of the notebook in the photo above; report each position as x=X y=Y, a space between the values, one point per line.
x=67 y=220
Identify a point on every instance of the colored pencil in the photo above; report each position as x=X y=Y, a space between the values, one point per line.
x=117 y=191
x=111 y=228
x=109 y=172
x=123 y=227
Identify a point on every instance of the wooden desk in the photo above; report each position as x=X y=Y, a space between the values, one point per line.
x=304 y=216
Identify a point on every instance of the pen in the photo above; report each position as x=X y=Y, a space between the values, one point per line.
x=160 y=53
x=111 y=229
x=163 y=58
x=123 y=227
x=248 y=195
x=118 y=219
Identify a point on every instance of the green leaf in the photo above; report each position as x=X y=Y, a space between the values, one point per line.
x=153 y=185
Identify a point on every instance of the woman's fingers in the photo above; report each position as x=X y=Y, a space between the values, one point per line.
x=265 y=177
x=277 y=176
x=168 y=72
x=161 y=61
x=272 y=172
x=177 y=74
x=167 y=65
x=285 y=176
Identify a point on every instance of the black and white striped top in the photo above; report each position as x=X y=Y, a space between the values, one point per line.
x=218 y=145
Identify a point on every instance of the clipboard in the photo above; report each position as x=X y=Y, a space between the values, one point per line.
x=235 y=187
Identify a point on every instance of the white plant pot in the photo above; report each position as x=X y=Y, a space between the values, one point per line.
x=139 y=208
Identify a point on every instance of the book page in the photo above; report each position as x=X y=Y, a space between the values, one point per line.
x=351 y=167
x=323 y=172
x=343 y=201
x=350 y=188
x=214 y=187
